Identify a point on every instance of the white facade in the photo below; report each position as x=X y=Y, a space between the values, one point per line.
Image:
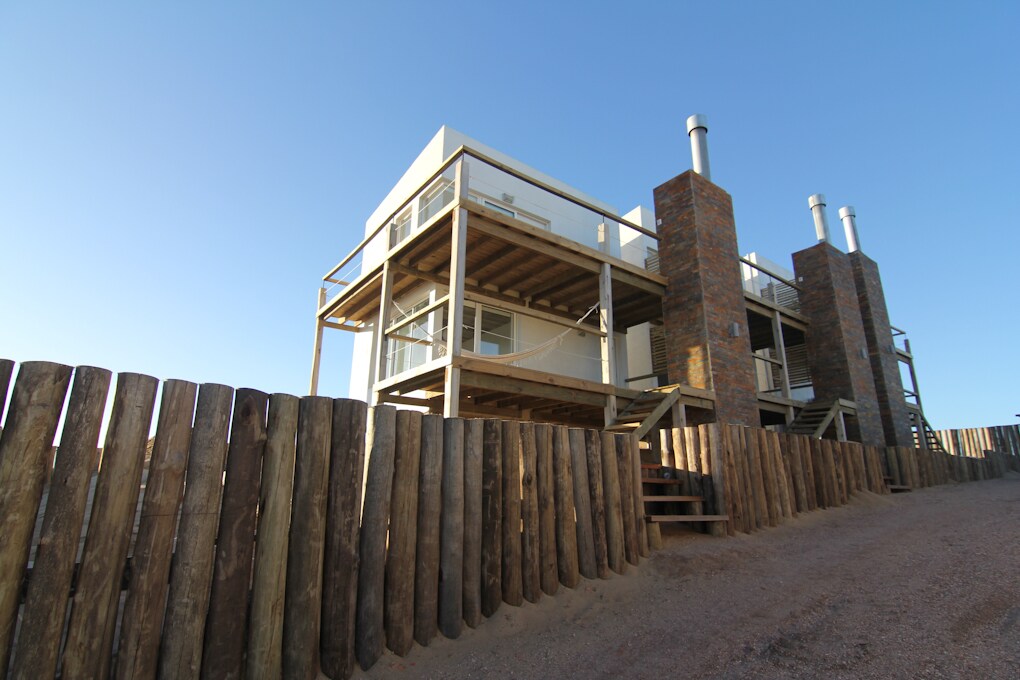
x=495 y=331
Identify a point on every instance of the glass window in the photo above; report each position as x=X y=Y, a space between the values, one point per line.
x=400 y=228
x=496 y=332
x=405 y=353
x=499 y=208
x=435 y=198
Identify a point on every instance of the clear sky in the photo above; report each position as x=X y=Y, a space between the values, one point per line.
x=175 y=179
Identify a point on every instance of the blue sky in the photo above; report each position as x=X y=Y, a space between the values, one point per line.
x=175 y=179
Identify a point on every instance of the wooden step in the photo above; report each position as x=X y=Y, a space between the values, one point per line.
x=899 y=488
x=672 y=499
x=659 y=480
x=686 y=518
x=651 y=466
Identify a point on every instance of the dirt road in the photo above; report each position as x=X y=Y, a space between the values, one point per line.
x=918 y=585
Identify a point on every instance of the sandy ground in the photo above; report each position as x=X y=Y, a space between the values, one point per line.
x=918 y=585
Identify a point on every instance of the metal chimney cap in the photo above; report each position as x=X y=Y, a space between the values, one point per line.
x=815 y=199
x=847 y=211
x=698 y=120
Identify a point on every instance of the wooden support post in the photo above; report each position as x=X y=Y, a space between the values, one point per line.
x=780 y=345
x=638 y=496
x=607 y=344
x=265 y=642
x=6 y=372
x=97 y=596
x=313 y=384
x=531 y=583
x=455 y=315
x=451 y=535
x=375 y=517
x=626 y=484
x=840 y=426
x=46 y=600
x=381 y=359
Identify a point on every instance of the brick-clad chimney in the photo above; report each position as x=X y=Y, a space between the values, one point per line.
x=703 y=310
x=885 y=366
x=836 y=340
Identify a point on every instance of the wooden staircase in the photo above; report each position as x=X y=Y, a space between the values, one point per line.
x=641 y=414
x=931 y=440
x=658 y=476
x=814 y=418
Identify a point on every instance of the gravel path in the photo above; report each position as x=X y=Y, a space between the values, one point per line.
x=918 y=585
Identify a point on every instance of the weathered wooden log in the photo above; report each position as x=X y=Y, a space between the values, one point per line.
x=582 y=504
x=492 y=517
x=784 y=476
x=752 y=518
x=531 y=579
x=699 y=471
x=770 y=481
x=94 y=607
x=302 y=610
x=819 y=472
x=724 y=437
x=451 y=535
x=808 y=461
x=630 y=535
x=426 y=565
x=46 y=600
x=713 y=461
x=510 y=578
x=597 y=500
x=25 y=445
x=563 y=490
x=398 y=605
x=192 y=567
x=343 y=532
x=369 y=630
x=791 y=445
x=138 y=651
x=615 y=553
x=473 y=446
x=225 y=636
x=638 y=496
x=750 y=442
x=269 y=583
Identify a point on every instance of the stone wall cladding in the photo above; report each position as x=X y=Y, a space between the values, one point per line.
x=698 y=253
x=836 y=336
x=884 y=364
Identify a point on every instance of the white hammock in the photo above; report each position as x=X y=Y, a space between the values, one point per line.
x=513 y=357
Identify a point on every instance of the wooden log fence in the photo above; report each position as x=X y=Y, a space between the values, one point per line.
x=321 y=532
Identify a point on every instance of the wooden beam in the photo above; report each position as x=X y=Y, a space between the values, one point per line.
x=528 y=374
x=417 y=315
x=607 y=343
x=560 y=319
x=385 y=298
x=523 y=388
x=455 y=313
x=655 y=415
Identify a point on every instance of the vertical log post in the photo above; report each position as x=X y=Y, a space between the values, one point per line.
x=614 y=510
x=582 y=504
x=451 y=534
x=369 y=631
x=566 y=532
x=24 y=458
x=343 y=533
x=531 y=580
x=46 y=600
x=192 y=567
x=426 y=567
x=597 y=500
x=96 y=599
x=492 y=517
x=473 y=501
x=265 y=640
x=511 y=579
x=399 y=599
